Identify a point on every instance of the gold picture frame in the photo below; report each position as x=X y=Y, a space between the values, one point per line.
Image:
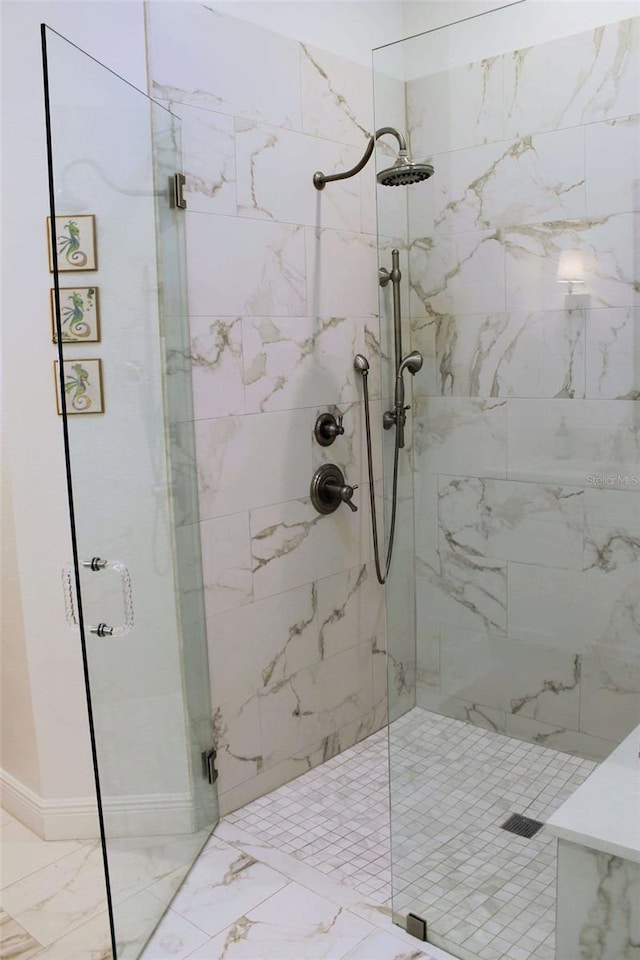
x=83 y=386
x=75 y=243
x=80 y=315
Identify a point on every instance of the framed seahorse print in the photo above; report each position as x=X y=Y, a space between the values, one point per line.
x=79 y=315
x=74 y=242
x=82 y=386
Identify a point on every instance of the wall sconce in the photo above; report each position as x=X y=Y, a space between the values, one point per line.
x=570 y=269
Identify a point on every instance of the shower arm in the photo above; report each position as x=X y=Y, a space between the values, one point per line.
x=321 y=179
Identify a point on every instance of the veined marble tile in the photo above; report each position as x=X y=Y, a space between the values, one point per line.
x=460 y=107
x=213 y=76
x=293 y=923
x=464 y=273
x=474 y=713
x=613 y=353
x=574 y=80
x=423 y=338
x=15 y=942
x=242 y=267
x=262 y=643
x=268 y=157
x=215 y=357
x=460 y=436
x=305 y=361
x=315 y=703
x=293 y=544
x=556 y=736
x=208 y=151
x=174 y=939
x=517 y=354
x=384 y=946
x=605 y=246
x=613 y=161
x=578 y=442
x=24 y=853
x=426 y=533
x=598 y=898
x=337 y=98
x=349 y=451
x=91 y=941
x=223 y=885
x=342 y=279
x=252 y=461
x=427 y=645
x=608 y=549
x=60 y=897
x=350 y=609
x=574 y=610
x=518 y=678
x=615 y=510
x=510 y=520
x=226 y=563
x=236 y=726
x=610 y=706
x=308 y=757
x=538 y=177
x=465 y=591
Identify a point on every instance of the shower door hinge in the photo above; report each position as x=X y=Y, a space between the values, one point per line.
x=209 y=771
x=416 y=926
x=176 y=191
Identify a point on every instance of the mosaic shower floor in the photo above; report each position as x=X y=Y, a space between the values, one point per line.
x=486 y=894
x=305 y=872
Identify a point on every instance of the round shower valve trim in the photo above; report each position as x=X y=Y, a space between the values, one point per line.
x=329 y=489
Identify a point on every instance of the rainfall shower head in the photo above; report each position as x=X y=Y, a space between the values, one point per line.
x=403 y=172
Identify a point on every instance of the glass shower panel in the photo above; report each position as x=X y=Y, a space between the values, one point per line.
x=522 y=266
x=120 y=294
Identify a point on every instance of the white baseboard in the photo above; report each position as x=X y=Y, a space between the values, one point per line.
x=69 y=818
x=76 y=818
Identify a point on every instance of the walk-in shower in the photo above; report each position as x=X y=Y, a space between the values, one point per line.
x=512 y=606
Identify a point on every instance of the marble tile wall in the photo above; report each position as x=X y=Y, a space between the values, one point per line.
x=283 y=292
x=598 y=897
x=527 y=424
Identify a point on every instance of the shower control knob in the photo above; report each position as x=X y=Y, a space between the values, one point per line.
x=327 y=428
x=329 y=489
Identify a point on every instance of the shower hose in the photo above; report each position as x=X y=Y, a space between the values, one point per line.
x=382 y=577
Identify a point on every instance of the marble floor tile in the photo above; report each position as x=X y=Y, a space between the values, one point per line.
x=15 y=942
x=91 y=941
x=384 y=946
x=59 y=897
x=24 y=853
x=293 y=923
x=174 y=939
x=223 y=885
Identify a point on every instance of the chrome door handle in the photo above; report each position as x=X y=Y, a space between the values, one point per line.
x=96 y=564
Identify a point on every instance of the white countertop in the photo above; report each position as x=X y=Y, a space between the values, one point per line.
x=604 y=812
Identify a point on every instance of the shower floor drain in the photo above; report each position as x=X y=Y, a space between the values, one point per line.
x=523 y=826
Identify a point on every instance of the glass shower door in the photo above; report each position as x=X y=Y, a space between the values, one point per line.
x=133 y=590
x=522 y=267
